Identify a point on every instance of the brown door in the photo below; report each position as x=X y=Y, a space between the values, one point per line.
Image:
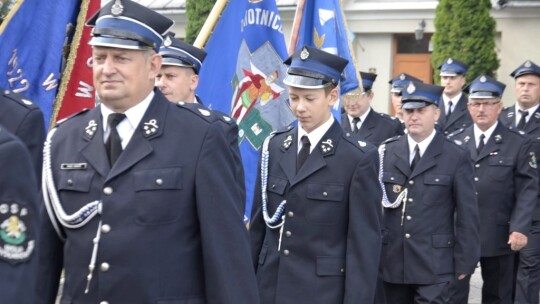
x=412 y=57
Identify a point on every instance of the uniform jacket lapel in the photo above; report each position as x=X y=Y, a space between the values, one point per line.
x=367 y=126
x=290 y=152
x=94 y=148
x=402 y=154
x=470 y=142
x=459 y=110
x=429 y=159
x=509 y=118
x=140 y=144
x=316 y=159
x=345 y=123
x=494 y=141
x=533 y=123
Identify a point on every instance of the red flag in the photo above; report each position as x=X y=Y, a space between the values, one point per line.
x=77 y=90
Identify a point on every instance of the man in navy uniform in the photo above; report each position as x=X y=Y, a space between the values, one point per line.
x=525 y=116
x=430 y=214
x=18 y=221
x=24 y=119
x=506 y=184
x=453 y=103
x=396 y=86
x=140 y=207
x=315 y=227
x=361 y=119
x=178 y=79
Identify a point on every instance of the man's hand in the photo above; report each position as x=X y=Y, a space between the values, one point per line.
x=517 y=241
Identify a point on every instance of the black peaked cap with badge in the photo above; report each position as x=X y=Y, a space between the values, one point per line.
x=418 y=95
x=400 y=81
x=453 y=67
x=484 y=87
x=527 y=68
x=176 y=52
x=367 y=80
x=311 y=68
x=128 y=25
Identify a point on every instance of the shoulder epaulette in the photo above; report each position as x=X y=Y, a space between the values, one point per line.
x=516 y=131
x=20 y=99
x=224 y=117
x=283 y=130
x=391 y=139
x=63 y=120
x=199 y=110
x=456 y=132
x=355 y=141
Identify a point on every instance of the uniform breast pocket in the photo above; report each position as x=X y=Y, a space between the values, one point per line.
x=437 y=188
x=325 y=203
x=158 y=194
x=393 y=184
x=501 y=167
x=75 y=180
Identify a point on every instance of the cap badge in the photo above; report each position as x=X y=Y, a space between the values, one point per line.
x=167 y=42
x=483 y=78
x=450 y=61
x=327 y=146
x=150 y=127
x=117 y=9
x=91 y=128
x=411 y=88
x=527 y=64
x=402 y=76
x=287 y=142
x=304 y=54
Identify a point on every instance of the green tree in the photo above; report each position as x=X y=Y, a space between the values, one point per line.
x=6 y=6
x=464 y=30
x=197 y=11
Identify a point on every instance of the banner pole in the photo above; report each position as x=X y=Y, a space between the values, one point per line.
x=210 y=23
x=296 y=26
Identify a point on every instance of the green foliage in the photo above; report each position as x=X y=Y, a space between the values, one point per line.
x=197 y=11
x=4 y=10
x=464 y=30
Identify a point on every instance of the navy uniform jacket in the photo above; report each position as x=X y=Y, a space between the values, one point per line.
x=532 y=129
x=432 y=246
x=459 y=118
x=25 y=120
x=507 y=185
x=331 y=238
x=231 y=131
x=377 y=127
x=175 y=233
x=18 y=221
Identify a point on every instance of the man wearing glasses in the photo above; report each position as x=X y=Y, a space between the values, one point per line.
x=506 y=182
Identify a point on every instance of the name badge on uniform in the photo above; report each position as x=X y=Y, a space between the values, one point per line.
x=73 y=166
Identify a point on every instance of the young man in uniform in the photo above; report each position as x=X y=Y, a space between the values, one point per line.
x=316 y=221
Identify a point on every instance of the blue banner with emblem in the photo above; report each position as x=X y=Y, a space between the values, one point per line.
x=323 y=27
x=34 y=40
x=243 y=75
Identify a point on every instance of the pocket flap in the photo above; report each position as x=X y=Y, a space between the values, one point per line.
x=504 y=161
x=75 y=180
x=277 y=185
x=325 y=192
x=442 y=240
x=330 y=266
x=433 y=179
x=158 y=179
x=393 y=178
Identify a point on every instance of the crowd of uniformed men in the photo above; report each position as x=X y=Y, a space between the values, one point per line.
x=143 y=196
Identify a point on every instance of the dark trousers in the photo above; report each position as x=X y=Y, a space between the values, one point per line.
x=497 y=274
x=413 y=293
x=528 y=271
x=457 y=291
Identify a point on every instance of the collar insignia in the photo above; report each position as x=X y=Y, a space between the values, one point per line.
x=537 y=115
x=287 y=142
x=510 y=114
x=467 y=138
x=498 y=138
x=327 y=146
x=90 y=129
x=150 y=127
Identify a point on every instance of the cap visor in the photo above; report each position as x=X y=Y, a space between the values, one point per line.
x=304 y=82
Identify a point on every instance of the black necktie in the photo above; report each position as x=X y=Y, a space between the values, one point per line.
x=416 y=157
x=449 y=110
x=113 y=145
x=304 y=152
x=355 y=122
x=480 y=144
x=522 y=120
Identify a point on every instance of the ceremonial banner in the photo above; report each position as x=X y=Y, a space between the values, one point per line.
x=243 y=75
x=33 y=48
